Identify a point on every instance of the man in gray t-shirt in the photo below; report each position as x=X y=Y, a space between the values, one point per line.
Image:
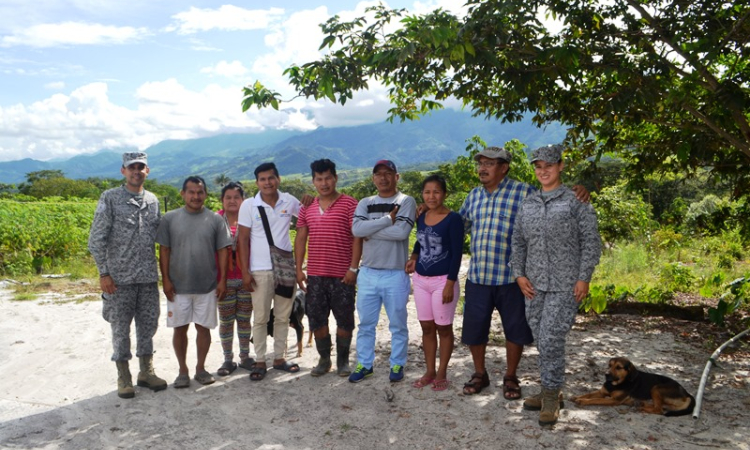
x=188 y=238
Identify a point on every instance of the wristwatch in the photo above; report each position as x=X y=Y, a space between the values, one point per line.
x=354 y=269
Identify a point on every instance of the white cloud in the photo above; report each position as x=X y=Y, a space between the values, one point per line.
x=227 y=17
x=233 y=69
x=55 y=85
x=72 y=33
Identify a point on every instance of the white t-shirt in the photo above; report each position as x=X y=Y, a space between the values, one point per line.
x=279 y=219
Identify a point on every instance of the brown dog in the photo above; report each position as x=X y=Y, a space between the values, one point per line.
x=626 y=385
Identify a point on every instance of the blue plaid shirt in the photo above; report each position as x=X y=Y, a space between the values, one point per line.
x=489 y=217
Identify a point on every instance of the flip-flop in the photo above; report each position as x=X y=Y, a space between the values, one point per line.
x=257 y=373
x=247 y=363
x=287 y=367
x=204 y=378
x=227 y=368
x=440 y=385
x=422 y=382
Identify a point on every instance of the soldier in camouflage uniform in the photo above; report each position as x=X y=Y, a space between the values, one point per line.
x=555 y=248
x=122 y=244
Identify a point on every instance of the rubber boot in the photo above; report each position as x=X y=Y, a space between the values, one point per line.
x=324 y=350
x=342 y=356
x=146 y=377
x=124 y=380
x=534 y=403
x=550 y=407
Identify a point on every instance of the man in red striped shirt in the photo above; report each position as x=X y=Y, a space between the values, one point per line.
x=332 y=266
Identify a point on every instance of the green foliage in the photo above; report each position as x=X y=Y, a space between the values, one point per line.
x=664 y=85
x=677 y=277
x=599 y=297
x=36 y=236
x=736 y=295
x=666 y=239
x=622 y=215
x=710 y=215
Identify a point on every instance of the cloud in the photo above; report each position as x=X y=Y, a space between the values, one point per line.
x=233 y=69
x=227 y=17
x=55 y=85
x=87 y=120
x=72 y=33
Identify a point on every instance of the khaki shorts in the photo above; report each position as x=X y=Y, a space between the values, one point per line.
x=196 y=308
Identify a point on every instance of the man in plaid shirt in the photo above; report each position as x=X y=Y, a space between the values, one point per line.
x=489 y=212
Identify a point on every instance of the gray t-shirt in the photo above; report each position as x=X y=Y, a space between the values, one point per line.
x=193 y=239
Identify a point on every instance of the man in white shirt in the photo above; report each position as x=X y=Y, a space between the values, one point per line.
x=257 y=268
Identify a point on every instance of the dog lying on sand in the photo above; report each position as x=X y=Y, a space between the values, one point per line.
x=626 y=385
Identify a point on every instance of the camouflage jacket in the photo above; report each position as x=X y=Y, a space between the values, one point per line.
x=122 y=236
x=555 y=241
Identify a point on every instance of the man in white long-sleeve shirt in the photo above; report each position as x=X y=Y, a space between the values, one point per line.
x=384 y=221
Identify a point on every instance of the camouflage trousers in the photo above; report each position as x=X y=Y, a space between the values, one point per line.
x=550 y=316
x=132 y=301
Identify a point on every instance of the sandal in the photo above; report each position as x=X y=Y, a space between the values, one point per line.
x=511 y=392
x=247 y=363
x=475 y=387
x=287 y=367
x=204 y=378
x=422 y=382
x=227 y=368
x=257 y=372
x=441 y=385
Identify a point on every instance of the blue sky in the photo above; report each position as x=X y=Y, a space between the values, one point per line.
x=81 y=75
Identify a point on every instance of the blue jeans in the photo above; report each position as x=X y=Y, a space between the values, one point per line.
x=377 y=288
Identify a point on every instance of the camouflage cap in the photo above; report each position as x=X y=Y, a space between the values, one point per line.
x=134 y=157
x=494 y=153
x=549 y=153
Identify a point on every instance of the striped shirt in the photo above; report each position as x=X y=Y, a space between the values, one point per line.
x=330 y=239
x=490 y=218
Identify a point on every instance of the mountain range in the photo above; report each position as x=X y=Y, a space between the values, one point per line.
x=433 y=139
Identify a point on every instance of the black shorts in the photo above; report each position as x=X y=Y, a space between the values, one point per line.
x=481 y=300
x=326 y=294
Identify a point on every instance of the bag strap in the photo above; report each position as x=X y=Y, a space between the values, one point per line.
x=266 y=226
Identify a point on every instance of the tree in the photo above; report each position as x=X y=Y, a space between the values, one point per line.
x=39 y=175
x=222 y=180
x=664 y=83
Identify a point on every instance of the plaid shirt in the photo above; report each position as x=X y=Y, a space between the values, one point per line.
x=489 y=217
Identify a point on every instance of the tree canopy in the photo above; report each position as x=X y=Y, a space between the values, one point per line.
x=665 y=84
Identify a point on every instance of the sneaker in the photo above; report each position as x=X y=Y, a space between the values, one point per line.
x=360 y=373
x=397 y=373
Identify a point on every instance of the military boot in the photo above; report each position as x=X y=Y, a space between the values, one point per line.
x=146 y=377
x=550 y=407
x=342 y=356
x=324 y=350
x=534 y=403
x=124 y=380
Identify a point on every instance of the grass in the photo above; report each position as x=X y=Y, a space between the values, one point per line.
x=24 y=296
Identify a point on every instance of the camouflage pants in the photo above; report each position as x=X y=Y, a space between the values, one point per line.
x=550 y=316
x=132 y=301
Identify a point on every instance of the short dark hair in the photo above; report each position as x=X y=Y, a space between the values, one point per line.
x=265 y=167
x=197 y=180
x=232 y=185
x=435 y=178
x=322 y=166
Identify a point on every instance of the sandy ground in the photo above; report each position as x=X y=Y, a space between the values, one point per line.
x=58 y=392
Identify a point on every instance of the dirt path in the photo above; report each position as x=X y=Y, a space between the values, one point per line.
x=58 y=392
